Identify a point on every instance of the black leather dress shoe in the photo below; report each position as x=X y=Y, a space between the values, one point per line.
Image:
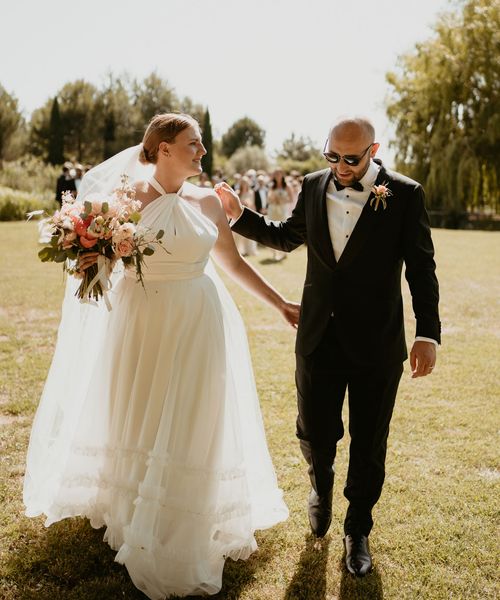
x=320 y=512
x=358 y=559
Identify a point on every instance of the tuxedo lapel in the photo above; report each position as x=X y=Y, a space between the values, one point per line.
x=367 y=223
x=324 y=241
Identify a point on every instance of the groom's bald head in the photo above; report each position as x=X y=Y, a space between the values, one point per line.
x=359 y=128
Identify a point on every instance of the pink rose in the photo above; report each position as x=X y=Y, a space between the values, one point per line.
x=380 y=190
x=124 y=247
x=68 y=240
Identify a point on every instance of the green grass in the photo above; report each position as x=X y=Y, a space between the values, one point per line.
x=436 y=525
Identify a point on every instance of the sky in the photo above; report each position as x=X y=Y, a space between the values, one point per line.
x=291 y=65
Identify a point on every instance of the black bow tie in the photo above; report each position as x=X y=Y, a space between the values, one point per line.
x=355 y=186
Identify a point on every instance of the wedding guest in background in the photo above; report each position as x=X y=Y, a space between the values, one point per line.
x=65 y=183
x=261 y=192
x=295 y=185
x=79 y=169
x=236 y=180
x=252 y=176
x=245 y=246
x=279 y=200
x=204 y=180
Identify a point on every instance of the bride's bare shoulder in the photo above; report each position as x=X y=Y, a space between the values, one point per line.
x=201 y=195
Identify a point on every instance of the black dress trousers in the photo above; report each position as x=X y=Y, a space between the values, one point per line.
x=322 y=379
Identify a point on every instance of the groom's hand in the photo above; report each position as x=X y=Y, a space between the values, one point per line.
x=229 y=198
x=422 y=358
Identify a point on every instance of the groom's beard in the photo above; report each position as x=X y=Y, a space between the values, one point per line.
x=353 y=178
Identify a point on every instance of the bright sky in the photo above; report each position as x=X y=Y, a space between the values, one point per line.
x=291 y=65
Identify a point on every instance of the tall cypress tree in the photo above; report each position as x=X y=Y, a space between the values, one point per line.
x=207 y=160
x=109 y=135
x=56 y=136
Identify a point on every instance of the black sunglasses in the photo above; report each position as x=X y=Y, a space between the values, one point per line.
x=349 y=159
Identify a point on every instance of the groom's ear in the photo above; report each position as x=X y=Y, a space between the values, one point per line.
x=374 y=149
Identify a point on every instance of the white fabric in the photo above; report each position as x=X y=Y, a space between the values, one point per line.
x=149 y=423
x=344 y=208
x=420 y=338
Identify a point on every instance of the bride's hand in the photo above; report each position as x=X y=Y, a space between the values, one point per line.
x=230 y=200
x=291 y=313
x=86 y=260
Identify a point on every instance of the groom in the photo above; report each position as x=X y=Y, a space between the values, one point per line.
x=351 y=334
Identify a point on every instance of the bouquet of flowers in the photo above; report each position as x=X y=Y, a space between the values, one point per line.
x=109 y=225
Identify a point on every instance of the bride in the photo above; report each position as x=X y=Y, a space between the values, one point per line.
x=149 y=423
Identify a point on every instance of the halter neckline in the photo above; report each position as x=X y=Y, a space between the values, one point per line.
x=157 y=186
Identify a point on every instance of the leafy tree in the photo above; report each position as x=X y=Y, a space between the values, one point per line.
x=194 y=109
x=298 y=149
x=247 y=157
x=207 y=160
x=77 y=106
x=10 y=120
x=56 y=136
x=244 y=132
x=117 y=117
x=314 y=163
x=445 y=104
x=152 y=96
x=77 y=103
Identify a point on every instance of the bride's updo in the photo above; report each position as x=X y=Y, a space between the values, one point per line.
x=163 y=128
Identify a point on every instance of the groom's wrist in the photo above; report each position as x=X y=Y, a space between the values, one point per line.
x=235 y=219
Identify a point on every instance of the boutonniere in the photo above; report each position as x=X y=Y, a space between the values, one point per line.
x=381 y=193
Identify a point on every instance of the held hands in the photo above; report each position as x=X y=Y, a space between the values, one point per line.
x=230 y=200
x=290 y=312
x=422 y=358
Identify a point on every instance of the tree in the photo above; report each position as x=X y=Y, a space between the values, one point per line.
x=207 y=160
x=247 y=157
x=194 y=109
x=77 y=102
x=56 y=136
x=445 y=104
x=244 y=132
x=117 y=117
x=10 y=120
x=298 y=149
x=153 y=96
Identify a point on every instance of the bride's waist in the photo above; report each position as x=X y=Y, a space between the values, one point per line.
x=167 y=271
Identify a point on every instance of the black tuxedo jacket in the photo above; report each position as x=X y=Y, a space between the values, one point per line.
x=363 y=289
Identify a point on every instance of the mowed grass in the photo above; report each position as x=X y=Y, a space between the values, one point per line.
x=436 y=525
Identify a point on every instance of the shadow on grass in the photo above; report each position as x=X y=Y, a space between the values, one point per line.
x=309 y=579
x=360 y=588
x=70 y=561
x=269 y=261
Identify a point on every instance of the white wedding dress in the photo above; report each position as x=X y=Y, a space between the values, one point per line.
x=149 y=423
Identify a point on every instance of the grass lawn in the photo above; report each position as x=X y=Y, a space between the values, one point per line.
x=436 y=525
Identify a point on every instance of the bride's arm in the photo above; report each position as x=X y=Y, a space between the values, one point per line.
x=228 y=257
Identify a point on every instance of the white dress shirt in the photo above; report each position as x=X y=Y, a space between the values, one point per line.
x=344 y=208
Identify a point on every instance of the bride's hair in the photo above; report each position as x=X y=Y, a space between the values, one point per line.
x=163 y=128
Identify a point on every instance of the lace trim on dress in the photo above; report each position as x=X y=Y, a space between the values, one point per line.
x=164 y=460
